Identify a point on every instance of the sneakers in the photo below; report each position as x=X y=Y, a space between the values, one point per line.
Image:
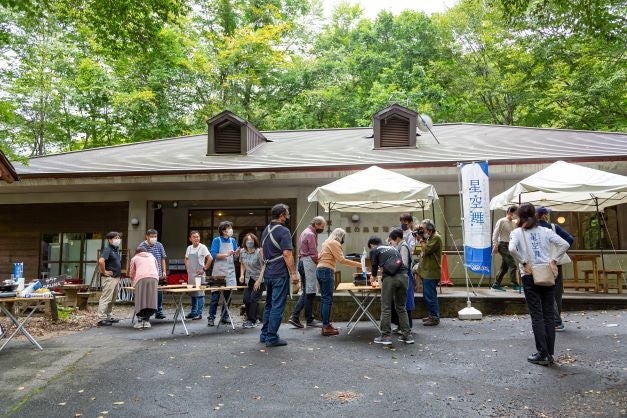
x=384 y=339
x=431 y=321
x=498 y=287
x=160 y=315
x=139 y=325
x=295 y=322
x=104 y=323
x=314 y=323
x=189 y=315
x=560 y=328
x=328 y=330
x=537 y=358
x=113 y=320
x=397 y=331
x=210 y=322
x=146 y=324
x=407 y=339
x=248 y=324
x=196 y=317
x=516 y=288
x=277 y=343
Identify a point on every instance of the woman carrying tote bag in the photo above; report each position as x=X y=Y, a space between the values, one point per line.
x=530 y=245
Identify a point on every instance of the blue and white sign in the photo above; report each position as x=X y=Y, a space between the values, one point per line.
x=477 y=224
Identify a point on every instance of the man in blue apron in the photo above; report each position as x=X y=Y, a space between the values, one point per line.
x=223 y=250
x=278 y=268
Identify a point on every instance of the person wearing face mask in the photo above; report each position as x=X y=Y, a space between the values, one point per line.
x=397 y=241
x=197 y=260
x=330 y=254
x=430 y=270
x=223 y=250
x=308 y=259
x=278 y=268
x=110 y=264
x=250 y=257
x=154 y=247
x=407 y=226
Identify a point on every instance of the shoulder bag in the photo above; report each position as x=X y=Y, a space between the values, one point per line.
x=542 y=273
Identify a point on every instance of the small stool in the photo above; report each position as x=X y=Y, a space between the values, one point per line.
x=619 y=275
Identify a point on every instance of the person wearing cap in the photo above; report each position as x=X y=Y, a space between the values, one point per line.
x=110 y=265
x=500 y=244
x=543 y=215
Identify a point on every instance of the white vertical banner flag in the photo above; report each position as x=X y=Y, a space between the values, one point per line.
x=477 y=224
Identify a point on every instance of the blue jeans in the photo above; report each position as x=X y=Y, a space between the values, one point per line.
x=326 y=280
x=213 y=304
x=430 y=294
x=276 y=296
x=198 y=304
x=159 y=302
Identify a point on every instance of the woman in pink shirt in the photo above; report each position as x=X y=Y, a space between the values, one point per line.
x=145 y=276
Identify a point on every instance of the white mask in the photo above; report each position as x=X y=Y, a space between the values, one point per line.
x=229 y=232
x=116 y=242
x=152 y=241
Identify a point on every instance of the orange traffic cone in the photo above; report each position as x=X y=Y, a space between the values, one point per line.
x=445 y=280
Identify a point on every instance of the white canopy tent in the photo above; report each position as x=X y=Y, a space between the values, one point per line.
x=566 y=187
x=374 y=190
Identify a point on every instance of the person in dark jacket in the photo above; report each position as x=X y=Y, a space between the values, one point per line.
x=543 y=215
x=393 y=288
x=430 y=270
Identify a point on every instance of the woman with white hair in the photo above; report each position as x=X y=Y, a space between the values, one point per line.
x=330 y=254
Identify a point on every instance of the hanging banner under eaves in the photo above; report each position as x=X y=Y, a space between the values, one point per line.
x=477 y=224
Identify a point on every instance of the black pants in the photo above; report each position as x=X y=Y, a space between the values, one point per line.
x=306 y=299
x=540 y=300
x=559 y=290
x=251 y=300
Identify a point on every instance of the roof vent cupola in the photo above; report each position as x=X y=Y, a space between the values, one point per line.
x=230 y=134
x=395 y=127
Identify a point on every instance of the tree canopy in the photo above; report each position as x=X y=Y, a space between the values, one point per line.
x=77 y=74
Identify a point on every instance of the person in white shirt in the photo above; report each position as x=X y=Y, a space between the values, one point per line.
x=197 y=260
x=530 y=245
x=500 y=244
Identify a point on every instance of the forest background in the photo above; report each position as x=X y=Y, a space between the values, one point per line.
x=78 y=74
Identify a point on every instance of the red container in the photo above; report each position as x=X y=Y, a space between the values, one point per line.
x=177 y=278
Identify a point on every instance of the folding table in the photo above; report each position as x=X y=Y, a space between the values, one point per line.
x=363 y=297
x=20 y=326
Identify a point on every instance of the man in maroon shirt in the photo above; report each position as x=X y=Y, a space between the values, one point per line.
x=308 y=259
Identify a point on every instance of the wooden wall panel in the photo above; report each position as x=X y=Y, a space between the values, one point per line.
x=21 y=227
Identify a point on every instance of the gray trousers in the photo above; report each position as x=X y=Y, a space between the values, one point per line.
x=394 y=289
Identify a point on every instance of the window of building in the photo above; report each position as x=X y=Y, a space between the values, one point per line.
x=247 y=220
x=71 y=253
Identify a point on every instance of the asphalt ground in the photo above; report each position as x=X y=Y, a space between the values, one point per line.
x=457 y=369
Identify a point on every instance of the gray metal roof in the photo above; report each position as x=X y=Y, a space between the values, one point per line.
x=327 y=148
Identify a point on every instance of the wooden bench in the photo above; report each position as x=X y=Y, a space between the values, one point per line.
x=604 y=279
x=49 y=306
x=82 y=298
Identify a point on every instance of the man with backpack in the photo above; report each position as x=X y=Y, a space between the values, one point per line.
x=393 y=288
x=430 y=269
